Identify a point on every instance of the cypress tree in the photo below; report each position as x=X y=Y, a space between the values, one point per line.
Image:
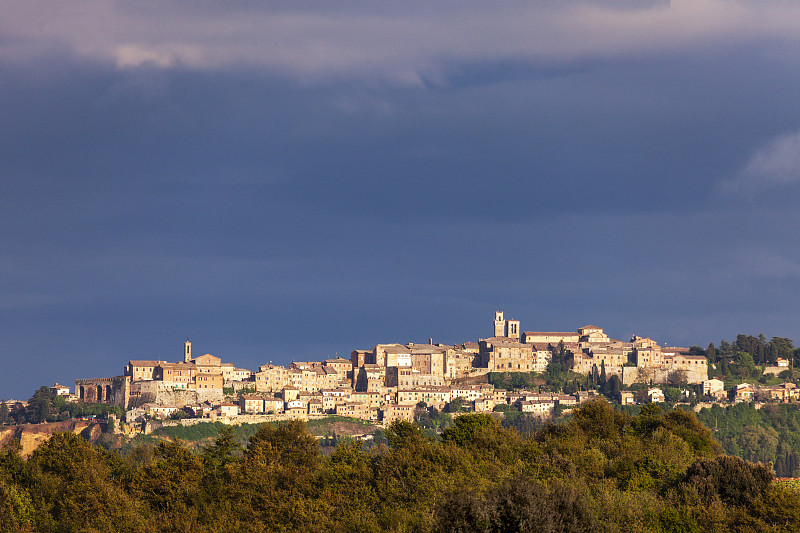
x=602 y=381
x=711 y=353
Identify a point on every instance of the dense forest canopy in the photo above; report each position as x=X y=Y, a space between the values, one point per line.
x=602 y=470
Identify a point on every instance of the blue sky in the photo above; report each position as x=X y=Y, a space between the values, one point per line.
x=283 y=181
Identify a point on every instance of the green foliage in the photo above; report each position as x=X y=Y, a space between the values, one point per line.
x=201 y=430
x=289 y=443
x=601 y=469
x=40 y=406
x=223 y=451
x=516 y=505
x=431 y=418
x=598 y=419
x=611 y=387
x=466 y=428
x=729 y=479
x=82 y=409
x=672 y=394
x=770 y=434
x=456 y=406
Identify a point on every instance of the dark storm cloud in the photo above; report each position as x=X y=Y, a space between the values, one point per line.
x=294 y=181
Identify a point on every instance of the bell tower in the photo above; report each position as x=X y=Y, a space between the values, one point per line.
x=499 y=324
x=187 y=351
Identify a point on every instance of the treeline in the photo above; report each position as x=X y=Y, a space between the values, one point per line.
x=602 y=470
x=46 y=406
x=741 y=356
x=770 y=434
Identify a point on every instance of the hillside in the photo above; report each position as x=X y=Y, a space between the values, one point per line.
x=30 y=436
x=602 y=470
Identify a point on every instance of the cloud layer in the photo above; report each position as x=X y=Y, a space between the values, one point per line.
x=295 y=180
x=411 y=42
x=775 y=164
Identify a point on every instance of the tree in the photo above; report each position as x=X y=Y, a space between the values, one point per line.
x=678 y=378
x=4 y=416
x=745 y=366
x=729 y=479
x=402 y=434
x=561 y=355
x=40 y=406
x=465 y=428
x=757 y=444
x=612 y=387
x=223 y=451
x=781 y=347
x=79 y=484
x=599 y=420
x=672 y=394
x=518 y=504
x=602 y=380
x=289 y=443
x=725 y=349
x=170 y=480
x=455 y=406
x=711 y=353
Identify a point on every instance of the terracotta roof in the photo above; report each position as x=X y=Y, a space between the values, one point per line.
x=553 y=333
x=395 y=349
x=177 y=365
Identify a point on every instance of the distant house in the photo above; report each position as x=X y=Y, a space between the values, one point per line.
x=60 y=390
x=744 y=392
x=484 y=404
x=781 y=393
x=160 y=411
x=391 y=412
x=779 y=366
x=537 y=407
x=273 y=405
x=626 y=397
x=315 y=406
x=228 y=409
x=714 y=387
x=251 y=404
x=655 y=395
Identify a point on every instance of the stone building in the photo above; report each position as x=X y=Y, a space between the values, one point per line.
x=115 y=391
x=505 y=328
x=139 y=370
x=550 y=337
x=504 y=354
x=271 y=378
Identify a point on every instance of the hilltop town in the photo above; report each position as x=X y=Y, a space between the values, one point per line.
x=386 y=382
x=389 y=381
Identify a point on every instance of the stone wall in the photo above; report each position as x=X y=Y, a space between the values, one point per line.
x=113 y=391
x=162 y=394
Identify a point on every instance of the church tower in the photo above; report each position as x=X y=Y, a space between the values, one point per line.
x=505 y=328
x=187 y=351
x=499 y=324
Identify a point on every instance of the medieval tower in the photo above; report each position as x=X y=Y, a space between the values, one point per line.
x=505 y=328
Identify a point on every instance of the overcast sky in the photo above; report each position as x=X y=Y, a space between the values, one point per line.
x=283 y=181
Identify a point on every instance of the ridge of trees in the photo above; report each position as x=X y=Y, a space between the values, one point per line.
x=601 y=470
